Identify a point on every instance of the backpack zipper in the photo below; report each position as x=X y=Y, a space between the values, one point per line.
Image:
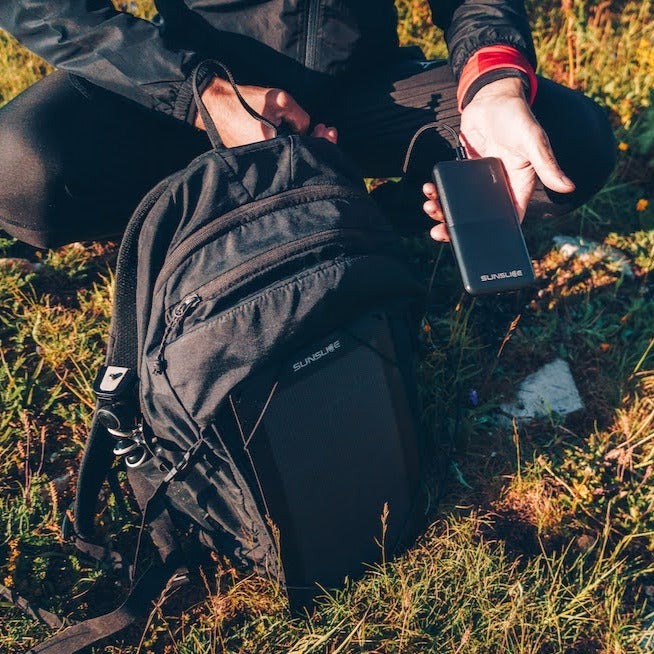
x=188 y=303
x=247 y=271
x=253 y=210
x=310 y=49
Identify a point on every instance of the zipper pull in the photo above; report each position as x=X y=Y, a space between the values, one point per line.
x=180 y=311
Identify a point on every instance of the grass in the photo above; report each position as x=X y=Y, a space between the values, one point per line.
x=543 y=539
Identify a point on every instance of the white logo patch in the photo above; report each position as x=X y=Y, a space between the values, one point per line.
x=112 y=377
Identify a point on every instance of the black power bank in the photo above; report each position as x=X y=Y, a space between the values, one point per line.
x=483 y=224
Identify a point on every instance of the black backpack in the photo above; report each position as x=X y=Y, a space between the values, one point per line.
x=259 y=379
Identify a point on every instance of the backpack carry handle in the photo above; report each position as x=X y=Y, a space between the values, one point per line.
x=210 y=126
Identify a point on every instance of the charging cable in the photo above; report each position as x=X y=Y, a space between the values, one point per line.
x=459 y=150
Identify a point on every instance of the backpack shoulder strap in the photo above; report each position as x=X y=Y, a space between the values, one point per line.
x=122 y=350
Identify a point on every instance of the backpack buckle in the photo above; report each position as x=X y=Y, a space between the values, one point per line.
x=132 y=447
x=113 y=383
x=114 y=387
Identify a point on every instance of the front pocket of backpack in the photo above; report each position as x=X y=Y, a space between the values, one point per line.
x=219 y=347
x=294 y=258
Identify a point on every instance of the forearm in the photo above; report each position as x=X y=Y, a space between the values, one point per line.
x=112 y=49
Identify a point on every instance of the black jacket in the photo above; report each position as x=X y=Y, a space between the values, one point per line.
x=300 y=45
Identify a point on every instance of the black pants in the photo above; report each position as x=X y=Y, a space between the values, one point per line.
x=75 y=159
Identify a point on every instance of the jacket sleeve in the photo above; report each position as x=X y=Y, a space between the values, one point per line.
x=471 y=24
x=112 y=49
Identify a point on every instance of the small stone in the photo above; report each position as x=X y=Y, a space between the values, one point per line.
x=551 y=389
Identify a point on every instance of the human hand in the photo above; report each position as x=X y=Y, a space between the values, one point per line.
x=498 y=122
x=237 y=127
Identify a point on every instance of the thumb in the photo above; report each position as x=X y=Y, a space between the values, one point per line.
x=544 y=162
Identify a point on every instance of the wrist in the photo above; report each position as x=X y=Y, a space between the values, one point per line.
x=491 y=64
x=507 y=87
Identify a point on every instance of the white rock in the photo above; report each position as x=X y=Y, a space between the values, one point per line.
x=548 y=390
x=570 y=246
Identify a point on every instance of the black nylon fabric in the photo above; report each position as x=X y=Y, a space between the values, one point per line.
x=306 y=47
x=469 y=26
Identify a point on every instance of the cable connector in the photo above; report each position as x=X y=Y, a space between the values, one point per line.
x=458 y=148
x=460 y=153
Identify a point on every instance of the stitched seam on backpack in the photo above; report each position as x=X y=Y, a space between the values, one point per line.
x=205 y=324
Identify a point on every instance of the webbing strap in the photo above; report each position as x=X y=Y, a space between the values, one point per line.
x=147 y=588
x=30 y=609
x=101 y=553
x=98 y=458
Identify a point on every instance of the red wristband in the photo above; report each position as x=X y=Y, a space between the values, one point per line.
x=490 y=58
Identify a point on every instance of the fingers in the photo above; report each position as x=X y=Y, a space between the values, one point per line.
x=432 y=206
x=521 y=187
x=323 y=132
x=433 y=209
x=289 y=111
x=429 y=190
x=545 y=164
x=439 y=233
